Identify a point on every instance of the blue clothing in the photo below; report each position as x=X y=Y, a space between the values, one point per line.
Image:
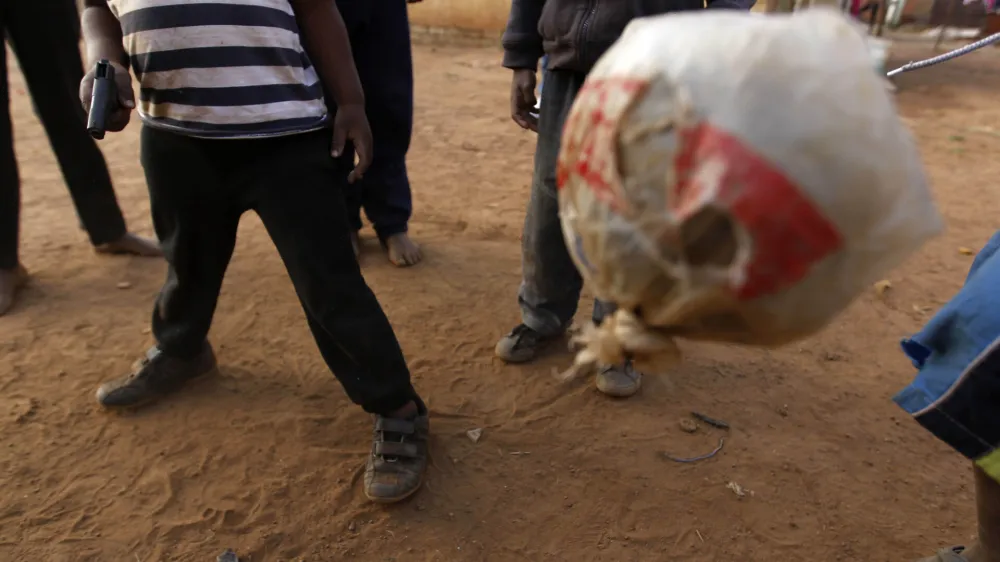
x=956 y=393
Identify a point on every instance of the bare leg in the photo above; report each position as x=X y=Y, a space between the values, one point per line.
x=987 y=546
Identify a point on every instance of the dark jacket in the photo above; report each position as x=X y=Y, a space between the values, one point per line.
x=575 y=33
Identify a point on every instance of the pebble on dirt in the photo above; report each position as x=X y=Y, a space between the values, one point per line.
x=882 y=286
x=688 y=426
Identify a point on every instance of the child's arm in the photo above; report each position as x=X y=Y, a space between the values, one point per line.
x=522 y=44
x=102 y=35
x=522 y=47
x=325 y=39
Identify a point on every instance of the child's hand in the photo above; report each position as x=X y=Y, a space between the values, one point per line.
x=522 y=98
x=118 y=118
x=351 y=123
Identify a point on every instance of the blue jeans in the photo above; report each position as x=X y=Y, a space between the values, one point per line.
x=541 y=79
x=550 y=283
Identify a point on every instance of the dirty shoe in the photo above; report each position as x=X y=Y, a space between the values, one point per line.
x=154 y=377
x=521 y=345
x=619 y=381
x=398 y=459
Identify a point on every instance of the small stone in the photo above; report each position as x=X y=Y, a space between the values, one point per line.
x=352 y=527
x=966 y=251
x=688 y=426
x=740 y=491
x=475 y=434
x=124 y=285
x=882 y=286
x=783 y=410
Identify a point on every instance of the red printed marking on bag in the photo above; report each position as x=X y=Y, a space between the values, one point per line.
x=789 y=234
x=590 y=136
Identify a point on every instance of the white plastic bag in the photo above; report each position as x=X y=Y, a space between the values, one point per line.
x=735 y=177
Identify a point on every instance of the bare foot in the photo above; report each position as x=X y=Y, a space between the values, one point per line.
x=132 y=244
x=11 y=280
x=403 y=251
x=356 y=243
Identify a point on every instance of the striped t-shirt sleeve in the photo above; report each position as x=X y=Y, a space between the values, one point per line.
x=221 y=68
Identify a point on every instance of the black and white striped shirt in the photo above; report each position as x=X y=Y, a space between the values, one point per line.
x=220 y=68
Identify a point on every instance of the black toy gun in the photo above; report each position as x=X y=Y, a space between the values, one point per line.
x=103 y=99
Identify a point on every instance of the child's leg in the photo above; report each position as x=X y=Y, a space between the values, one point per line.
x=196 y=220
x=550 y=283
x=987 y=546
x=46 y=42
x=11 y=274
x=988 y=510
x=385 y=65
x=296 y=194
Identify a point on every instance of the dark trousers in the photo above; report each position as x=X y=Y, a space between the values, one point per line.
x=550 y=282
x=380 y=39
x=199 y=189
x=46 y=42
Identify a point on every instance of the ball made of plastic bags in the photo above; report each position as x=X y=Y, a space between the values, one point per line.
x=734 y=177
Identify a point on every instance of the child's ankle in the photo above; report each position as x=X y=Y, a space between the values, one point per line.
x=409 y=411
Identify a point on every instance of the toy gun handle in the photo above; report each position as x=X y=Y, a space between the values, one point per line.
x=103 y=100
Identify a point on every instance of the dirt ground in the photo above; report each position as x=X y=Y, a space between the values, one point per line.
x=266 y=459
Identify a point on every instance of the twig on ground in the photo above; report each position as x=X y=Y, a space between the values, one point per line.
x=722 y=442
x=710 y=421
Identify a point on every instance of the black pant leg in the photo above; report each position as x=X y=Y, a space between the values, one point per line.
x=47 y=46
x=196 y=217
x=300 y=200
x=357 y=15
x=10 y=189
x=382 y=53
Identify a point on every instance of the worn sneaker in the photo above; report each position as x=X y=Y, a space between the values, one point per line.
x=153 y=377
x=619 y=381
x=522 y=344
x=396 y=465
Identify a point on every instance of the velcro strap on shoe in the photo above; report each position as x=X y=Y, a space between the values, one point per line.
x=395 y=425
x=396 y=449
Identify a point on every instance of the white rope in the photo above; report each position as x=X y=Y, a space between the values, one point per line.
x=946 y=56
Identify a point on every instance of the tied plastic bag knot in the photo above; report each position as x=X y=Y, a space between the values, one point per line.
x=622 y=336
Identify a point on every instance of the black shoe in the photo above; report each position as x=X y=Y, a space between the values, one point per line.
x=154 y=377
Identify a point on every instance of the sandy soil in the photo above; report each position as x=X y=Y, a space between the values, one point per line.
x=266 y=459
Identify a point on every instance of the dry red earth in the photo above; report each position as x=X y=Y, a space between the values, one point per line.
x=266 y=459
